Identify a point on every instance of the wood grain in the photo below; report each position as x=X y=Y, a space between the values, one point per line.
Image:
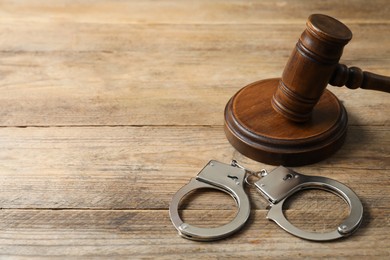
x=107 y=108
x=171 y=11
x=149 y=234
x=142 y=167
x=91 y=74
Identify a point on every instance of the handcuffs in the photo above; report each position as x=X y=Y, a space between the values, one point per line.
x=275 y=186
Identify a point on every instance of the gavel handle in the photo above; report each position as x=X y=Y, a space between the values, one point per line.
x=354 y=78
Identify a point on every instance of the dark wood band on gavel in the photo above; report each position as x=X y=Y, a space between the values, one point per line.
x=313 y=65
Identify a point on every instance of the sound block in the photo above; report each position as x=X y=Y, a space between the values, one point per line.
x=257 y=131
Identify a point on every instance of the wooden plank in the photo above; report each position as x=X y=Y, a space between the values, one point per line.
x=149 y=234
x=142 y=167
x=66 y=74
x=271 y=41
x=168 y=11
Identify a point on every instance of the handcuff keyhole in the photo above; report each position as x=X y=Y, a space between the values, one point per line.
x=233 y=177
x=288 y=177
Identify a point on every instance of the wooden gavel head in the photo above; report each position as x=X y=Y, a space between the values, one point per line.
x=295 y=120
x=313 y=65
x=310 y=67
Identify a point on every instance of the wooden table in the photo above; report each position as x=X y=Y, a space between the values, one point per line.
x=109 y=107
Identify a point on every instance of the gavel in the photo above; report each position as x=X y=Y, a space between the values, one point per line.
x=313 y=65
x=294 y=120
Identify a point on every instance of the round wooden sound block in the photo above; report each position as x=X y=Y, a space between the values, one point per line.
x=258 y=132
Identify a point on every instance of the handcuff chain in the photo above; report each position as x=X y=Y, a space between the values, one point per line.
x=258 y=174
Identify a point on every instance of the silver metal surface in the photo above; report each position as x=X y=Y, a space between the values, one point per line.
x=281 y=183
x=275 y=186
x=220 y=176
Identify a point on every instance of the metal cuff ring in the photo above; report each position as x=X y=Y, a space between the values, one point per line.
x=218 y=176
x=282 y=183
